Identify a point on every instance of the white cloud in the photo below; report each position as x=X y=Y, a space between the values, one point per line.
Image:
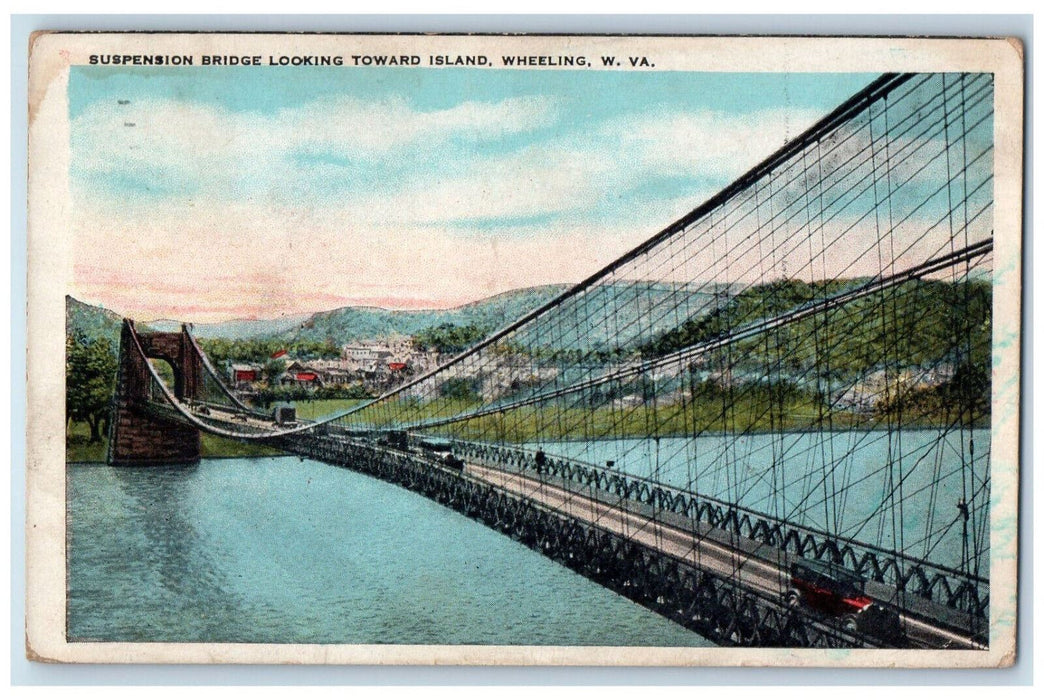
x=209 y=154
x=242 y=264
x=244 y=236
x=217 y=150
x=577 y=172
x=677 y=143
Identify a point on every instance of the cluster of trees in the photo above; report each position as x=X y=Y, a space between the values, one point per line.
x=461 y=389
x=917 y=323
x=269 y=395
x=598 y=356
x=443 y=338
x=449 y=337
x=754 y=303
x=90 y=381
x=964 y=399
x=259 y=350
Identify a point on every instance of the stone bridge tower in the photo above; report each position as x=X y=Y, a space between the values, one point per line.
x=136 y=436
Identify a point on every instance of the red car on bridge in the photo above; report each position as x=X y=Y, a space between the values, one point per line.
x=836 y=592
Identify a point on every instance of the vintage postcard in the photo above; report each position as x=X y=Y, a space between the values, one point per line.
x=421 y=349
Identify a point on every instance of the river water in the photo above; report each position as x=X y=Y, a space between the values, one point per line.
x=896 y=490
x=285 y=550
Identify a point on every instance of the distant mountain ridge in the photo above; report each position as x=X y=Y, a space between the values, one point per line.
x=343 y=325
x=238 y=329
x=352 y=324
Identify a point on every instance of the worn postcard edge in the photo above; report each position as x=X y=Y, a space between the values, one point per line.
x=49 y=262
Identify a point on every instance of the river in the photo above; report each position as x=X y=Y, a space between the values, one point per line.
x=896 y=490
x=284 y=550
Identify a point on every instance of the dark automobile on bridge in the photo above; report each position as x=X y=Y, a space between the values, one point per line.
x=395 y=439
x=836 y=592
x=442 y=450
x=436 y=446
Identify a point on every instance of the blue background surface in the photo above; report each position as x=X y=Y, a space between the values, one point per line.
x=25 y=673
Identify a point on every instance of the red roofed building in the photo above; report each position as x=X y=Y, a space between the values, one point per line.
x=245 y=374
x=297 y=374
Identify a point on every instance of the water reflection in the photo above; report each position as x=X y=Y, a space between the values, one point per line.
x=279 y=550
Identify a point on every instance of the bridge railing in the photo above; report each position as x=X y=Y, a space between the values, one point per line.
x=947 y=586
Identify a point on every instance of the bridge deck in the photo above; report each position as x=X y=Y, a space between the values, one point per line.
x=755 y=565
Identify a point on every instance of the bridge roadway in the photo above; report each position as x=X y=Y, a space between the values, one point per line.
x=700 y=549
x=756 y=566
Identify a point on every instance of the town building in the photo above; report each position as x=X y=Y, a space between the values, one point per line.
x=243 y=374
x=299 y=374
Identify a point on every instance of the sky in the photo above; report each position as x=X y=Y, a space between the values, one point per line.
x=213 y=193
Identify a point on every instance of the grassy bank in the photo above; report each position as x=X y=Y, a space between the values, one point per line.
x=78 y=449
x=214 y=447
x=746 y=409
x=311 y=410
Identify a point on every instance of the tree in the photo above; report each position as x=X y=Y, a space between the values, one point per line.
x=461 y=389
x=273 y=370
x=448 y=337
x=90 y=380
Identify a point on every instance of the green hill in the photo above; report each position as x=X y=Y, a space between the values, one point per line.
x=917 y=323
x=354 y=323
x=86 y=322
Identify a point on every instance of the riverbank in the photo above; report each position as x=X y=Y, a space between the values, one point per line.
x=78 y=447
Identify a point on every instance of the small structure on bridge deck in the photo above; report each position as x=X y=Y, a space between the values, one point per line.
x=284 y=414
x=137 y=437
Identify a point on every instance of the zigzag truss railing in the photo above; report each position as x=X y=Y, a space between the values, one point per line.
x=906 y=573
x=905 y=570
x=923 y=578
x=652 y=578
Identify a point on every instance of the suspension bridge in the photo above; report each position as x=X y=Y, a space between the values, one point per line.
x=768 y=422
